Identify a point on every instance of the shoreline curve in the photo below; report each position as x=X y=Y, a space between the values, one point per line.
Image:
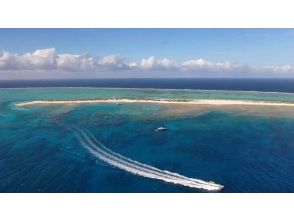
x=158 y=101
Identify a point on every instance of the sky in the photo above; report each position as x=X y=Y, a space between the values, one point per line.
x=120 y=53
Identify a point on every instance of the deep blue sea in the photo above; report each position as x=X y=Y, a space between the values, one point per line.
x=241 y=150
x=266 y=85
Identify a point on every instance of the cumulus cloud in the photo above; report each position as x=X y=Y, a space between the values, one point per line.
x=285 y=69
x=75 y=62
x=40 y=59
x=201 y=64
x=152 y=63
x=113 y=62
x=7 y=61
x=48 y=61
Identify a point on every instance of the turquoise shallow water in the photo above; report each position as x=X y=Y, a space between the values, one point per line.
x=245 y=153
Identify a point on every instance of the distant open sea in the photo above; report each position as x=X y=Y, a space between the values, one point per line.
x=266 y=85
x=114 y=147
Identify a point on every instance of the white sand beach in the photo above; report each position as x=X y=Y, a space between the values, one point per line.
x=215 y=102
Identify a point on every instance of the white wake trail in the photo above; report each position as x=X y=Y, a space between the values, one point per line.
x=136 y=163
x=135 y=167
x=132 y=163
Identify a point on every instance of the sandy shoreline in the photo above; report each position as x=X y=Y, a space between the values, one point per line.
x=166 y=101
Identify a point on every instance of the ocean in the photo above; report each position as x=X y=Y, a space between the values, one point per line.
x=265 y=85
x=114 y=147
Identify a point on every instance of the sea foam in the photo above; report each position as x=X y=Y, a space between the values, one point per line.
x=97 y=149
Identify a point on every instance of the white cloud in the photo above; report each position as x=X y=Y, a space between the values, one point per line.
x=40 y=59
x=201 y=64
x=284 y=69
x=49 y=62
x=75 y=62
x=47 y=59
x=151 y=63
x=112 y=62
x=7 y=61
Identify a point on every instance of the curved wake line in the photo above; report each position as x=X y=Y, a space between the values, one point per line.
x=103 y=153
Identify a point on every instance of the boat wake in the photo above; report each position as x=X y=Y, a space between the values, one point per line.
x=97 y=149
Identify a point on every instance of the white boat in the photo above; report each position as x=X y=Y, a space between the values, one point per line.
x=161 y=129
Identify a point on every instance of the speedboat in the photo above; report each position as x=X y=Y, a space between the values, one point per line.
x=161 y=129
